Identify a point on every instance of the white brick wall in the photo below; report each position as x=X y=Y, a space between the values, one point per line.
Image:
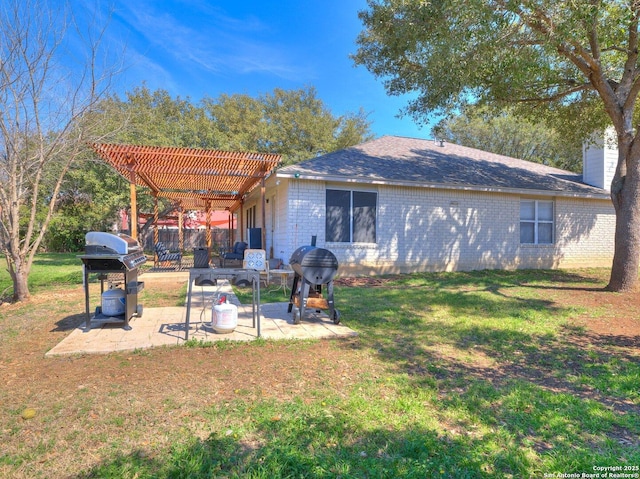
x=422 y=229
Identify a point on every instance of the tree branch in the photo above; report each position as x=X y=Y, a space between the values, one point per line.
x=559 y=95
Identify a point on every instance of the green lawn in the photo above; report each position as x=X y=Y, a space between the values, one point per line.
x=483 y=378
x=468 y=375
x=48 y=269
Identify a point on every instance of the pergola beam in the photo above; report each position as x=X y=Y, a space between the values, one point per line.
x=195 y=178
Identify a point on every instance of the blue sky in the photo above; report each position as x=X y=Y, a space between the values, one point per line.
x=199 y=48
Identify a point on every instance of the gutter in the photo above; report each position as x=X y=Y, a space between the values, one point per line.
x=446 y=186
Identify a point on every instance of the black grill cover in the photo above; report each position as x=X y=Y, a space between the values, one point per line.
x=316 y=265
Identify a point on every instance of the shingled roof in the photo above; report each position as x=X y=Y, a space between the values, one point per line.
x=426 y=163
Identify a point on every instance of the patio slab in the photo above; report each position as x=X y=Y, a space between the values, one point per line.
x=167 y=326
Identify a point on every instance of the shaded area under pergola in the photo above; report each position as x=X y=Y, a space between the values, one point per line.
x=193 y=178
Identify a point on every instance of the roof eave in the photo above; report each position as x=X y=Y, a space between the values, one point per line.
x=445 y=186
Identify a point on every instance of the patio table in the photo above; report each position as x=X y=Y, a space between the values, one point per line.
x=284 y=278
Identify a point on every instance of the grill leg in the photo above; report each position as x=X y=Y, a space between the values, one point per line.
x=294 y=288
x=131 y=299
x=304 y=295
x=330 y=299
x=87 y=325
x=318 y=291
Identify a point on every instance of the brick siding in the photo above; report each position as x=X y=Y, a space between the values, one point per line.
x=430 y=229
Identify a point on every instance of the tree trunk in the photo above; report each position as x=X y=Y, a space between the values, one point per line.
x=20 y=276
x=626 y=200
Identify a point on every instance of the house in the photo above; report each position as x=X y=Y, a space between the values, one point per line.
x=400 y=205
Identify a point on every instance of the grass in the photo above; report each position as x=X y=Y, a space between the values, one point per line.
x=62 y=270
x=267 y=295
x=48 y=269
x=453 y=375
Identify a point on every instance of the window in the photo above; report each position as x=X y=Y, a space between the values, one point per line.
x=351 y=216
x=251 y=217
x=536 y=222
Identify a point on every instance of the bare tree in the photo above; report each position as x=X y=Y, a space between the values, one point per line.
x=50 y=79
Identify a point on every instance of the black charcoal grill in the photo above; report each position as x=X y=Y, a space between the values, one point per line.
x=313 y=268
x=116 y=258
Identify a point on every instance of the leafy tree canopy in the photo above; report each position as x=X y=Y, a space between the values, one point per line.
x=505 y=133
x=295 y=124
x=456 y=52
x=156 y=119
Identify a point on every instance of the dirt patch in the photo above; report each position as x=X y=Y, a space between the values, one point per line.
x=369 y=282
x=606 y=314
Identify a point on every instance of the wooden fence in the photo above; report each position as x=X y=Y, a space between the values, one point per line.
x=192 y=239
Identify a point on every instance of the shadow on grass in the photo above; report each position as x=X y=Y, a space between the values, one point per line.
x=499 y=278
x=478 y=332
x=57 y=259
x=515 y=430
x=509 y=360
x=487 y=380
x=69 y=323
x=594 y=289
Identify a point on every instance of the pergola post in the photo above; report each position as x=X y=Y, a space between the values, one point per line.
x=264 y=215
x=180 y=228
x=208 y=225
x=156 y=234
x=240 y=221
x=134 y=204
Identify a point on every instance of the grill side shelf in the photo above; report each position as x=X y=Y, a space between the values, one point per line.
x=134 y=287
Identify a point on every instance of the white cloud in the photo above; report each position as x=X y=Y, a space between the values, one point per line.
x=142 y=69
x=218 y=44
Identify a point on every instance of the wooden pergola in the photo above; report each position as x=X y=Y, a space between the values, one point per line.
x=195 y=179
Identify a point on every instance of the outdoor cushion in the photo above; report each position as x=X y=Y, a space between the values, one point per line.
x=237 y=252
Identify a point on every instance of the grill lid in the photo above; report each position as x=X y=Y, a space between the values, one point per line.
x=100 y=242
x=316 y=265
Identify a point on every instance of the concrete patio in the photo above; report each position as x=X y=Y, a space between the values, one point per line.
x=167 y=326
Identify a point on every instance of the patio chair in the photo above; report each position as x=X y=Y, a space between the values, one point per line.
x=236 y=254
x=257 y=259
x=164 y=256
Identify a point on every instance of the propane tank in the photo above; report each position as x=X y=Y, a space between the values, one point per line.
x=224 y=318
x=113 y=302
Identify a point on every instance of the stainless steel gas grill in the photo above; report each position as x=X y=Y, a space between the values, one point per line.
x=116 y=258
x=313 y=267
